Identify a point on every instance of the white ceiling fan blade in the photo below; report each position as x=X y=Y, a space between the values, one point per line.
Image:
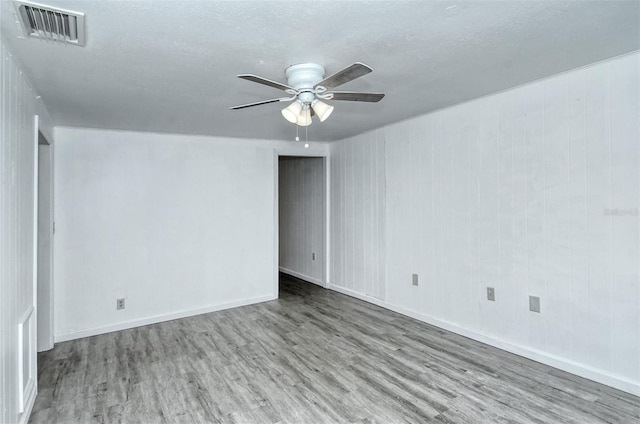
x=265 y=81
x=353 y=96
x=264 y=102
x=347 y=74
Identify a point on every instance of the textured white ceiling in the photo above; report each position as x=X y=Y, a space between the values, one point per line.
x=170 y=66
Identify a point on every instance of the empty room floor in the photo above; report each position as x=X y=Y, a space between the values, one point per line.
x=312 y=356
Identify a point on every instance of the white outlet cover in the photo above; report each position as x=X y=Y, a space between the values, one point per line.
x=534 y=304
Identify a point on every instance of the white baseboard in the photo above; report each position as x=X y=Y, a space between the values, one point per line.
x=563 y=364
x=159 y=318
x=301 y=276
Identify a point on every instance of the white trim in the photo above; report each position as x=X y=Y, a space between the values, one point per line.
x=36 y=176
x=27 y=394
x=327 y=220
x=160 y=318
x=312 y=152
x=24 y=392
x=30 y=401
x=361 y=296
x=301 y=276
x=276 y=222
x=52 y=221
x=25 y=316
x=563 y=364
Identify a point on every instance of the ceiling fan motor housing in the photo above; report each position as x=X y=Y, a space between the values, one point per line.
x=304 y=75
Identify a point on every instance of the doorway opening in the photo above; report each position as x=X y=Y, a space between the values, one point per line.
x=302 y=218
x=45 y=229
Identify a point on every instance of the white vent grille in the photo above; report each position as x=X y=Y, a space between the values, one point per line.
x=50 y=23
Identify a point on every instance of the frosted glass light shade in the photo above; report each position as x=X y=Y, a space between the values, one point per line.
x=292 y=112
x=304 y=118
x=322 y=109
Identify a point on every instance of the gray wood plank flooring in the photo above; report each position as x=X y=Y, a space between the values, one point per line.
x=312 y=356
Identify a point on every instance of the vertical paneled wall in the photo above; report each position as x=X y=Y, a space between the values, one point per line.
x=301 y=217
x=17 y=154
x=358 y=214
x=532 y=191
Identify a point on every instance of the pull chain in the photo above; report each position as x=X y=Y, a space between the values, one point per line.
x=306 y=138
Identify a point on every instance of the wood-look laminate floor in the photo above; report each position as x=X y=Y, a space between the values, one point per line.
x=312 y=356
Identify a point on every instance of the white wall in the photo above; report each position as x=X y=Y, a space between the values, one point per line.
x=302 y=217
x=358 y=214
x=17 y=286
x=515 y=191
x=177 y=225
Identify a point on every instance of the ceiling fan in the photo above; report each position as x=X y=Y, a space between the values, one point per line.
x=308 y=88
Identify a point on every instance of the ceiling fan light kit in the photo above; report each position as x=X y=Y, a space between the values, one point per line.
x=321 y=109
x=292 y=111
x=308 y=87
x=304 y=118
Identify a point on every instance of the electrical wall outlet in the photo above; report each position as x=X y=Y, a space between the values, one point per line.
x=313 y=256
x=491 y=294
x=414 y=279
x=534 y=304
x=120 y=303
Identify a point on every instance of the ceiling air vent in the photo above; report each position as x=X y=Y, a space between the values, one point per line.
x=50 y=23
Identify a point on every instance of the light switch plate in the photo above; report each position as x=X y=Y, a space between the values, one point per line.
x=414 y=279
